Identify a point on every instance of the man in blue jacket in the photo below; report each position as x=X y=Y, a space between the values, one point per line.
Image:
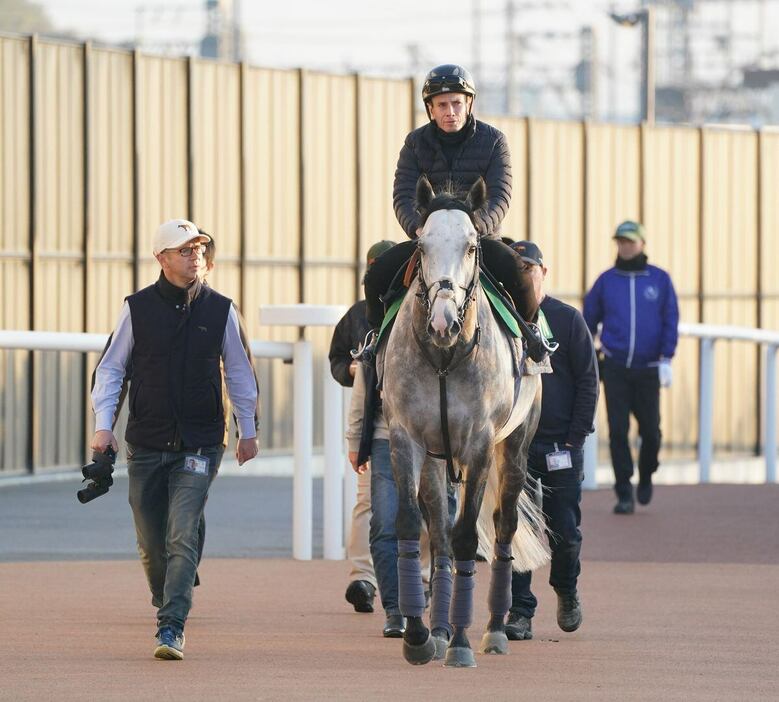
x=635 y=305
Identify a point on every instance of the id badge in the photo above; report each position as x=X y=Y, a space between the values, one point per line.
x=558 y=460
x=196 y=464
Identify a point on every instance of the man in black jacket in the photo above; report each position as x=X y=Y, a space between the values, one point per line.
x=555 y=457
x=348 y=334
x=453 y=150
x=172 y=336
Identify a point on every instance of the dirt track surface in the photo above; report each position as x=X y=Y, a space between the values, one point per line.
x=679 y=604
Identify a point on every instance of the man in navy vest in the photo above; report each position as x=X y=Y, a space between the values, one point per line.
x=172 y=336
x=635 y=305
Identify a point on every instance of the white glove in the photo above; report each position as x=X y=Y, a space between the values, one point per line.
x=665 y=373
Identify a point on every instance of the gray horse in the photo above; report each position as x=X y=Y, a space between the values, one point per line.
x=449 y=381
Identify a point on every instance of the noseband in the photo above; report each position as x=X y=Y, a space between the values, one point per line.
x=423 y=294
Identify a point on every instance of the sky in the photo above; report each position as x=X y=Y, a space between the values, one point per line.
x=407 y=37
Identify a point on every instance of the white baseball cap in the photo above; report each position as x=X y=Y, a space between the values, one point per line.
x=175 y=233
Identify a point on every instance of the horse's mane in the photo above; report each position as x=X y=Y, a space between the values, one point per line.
x=449 y=198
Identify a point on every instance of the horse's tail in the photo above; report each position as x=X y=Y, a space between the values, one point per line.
x=529 y=546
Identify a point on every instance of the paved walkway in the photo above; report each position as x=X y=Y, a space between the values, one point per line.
x=679 y=604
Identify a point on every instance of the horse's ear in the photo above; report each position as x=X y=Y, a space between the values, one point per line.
x=477 y=195
x=425 y=193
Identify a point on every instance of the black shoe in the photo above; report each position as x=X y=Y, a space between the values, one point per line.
x=644 y=491
x=360 y=594
x=519 y=628
x=569 y=611
x=394 y=627
x=624 y=507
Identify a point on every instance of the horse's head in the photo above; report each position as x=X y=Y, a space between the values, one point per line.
x=448 y=258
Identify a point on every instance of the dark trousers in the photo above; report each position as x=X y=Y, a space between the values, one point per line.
x=562 y=494
x=636 y=391
x=498 y=258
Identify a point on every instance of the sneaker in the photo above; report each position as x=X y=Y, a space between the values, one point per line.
x=624 y=507
x=569 y=611
x=170 y=644
x=644 y=491
x=394 y=626
x=360 y=594
x=518 y=627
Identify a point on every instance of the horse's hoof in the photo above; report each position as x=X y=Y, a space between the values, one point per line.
x=494 y=642
x=441 y=644
x=459 y=657
x=421 y=653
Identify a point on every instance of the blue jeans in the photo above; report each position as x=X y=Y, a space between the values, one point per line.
x=383 y=539
x=562 y=494
x=167 y=499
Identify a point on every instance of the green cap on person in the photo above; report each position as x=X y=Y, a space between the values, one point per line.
x=378 y=249
x=630 y=230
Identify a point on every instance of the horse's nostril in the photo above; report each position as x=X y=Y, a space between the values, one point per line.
x=455 y=328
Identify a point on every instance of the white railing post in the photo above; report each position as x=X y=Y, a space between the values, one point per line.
x=333 y=548
x=706 y=410
x=769 y=442
x=590 y=481
x=303 y=430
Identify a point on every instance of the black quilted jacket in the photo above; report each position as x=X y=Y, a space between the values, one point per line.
x=483 y=153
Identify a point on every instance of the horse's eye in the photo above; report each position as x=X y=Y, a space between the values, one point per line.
x=471 y=250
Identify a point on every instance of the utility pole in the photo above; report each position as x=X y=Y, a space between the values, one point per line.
x=646 y=18
x=512 y=96
x=476 y=39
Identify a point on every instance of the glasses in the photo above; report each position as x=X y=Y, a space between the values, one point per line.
x=450 y=82
x=187 y=251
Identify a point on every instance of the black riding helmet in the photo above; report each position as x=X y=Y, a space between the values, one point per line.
x=447 y=78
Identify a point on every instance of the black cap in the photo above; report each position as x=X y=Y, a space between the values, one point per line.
x=529 y=252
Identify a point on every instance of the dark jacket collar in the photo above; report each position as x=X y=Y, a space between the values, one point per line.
x=177 y=295
x=637 y=263
x=433 y=133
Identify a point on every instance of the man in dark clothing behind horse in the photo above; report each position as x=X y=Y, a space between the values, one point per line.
x=454 y=150
x=556 y=457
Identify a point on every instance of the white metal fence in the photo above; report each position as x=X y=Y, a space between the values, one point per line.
x=337 y=484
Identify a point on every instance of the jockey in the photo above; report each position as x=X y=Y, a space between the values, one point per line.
x=453 y=150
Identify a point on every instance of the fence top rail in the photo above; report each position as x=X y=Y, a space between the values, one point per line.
x=730 y=333
x=78 y=341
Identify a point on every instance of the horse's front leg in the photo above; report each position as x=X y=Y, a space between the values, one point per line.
x=407 y=457
x=464 y=545
x=433 y=492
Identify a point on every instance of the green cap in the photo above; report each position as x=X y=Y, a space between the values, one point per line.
x=378 y=249
x=630 y=230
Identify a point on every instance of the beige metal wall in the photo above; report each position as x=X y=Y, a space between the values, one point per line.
x=671 y=206
x=729 y=276
x=14 y=245
x=292 y=172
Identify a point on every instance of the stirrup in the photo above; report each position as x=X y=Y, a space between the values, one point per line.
x=538 y=348
x=366 y=353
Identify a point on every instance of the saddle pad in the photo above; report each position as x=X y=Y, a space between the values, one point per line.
x=503 y=314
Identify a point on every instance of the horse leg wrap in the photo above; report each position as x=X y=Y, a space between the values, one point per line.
x=442 y=594
x=411 y=592
x=462 y=597
x=499 y=600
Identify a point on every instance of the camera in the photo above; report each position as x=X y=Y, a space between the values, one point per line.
x=99 y=472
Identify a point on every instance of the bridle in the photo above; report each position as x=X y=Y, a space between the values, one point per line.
x=423 y=293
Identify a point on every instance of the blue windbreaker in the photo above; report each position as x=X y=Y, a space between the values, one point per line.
x=639 y=315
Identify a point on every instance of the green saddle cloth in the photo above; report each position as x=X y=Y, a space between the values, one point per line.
x=496 y=302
